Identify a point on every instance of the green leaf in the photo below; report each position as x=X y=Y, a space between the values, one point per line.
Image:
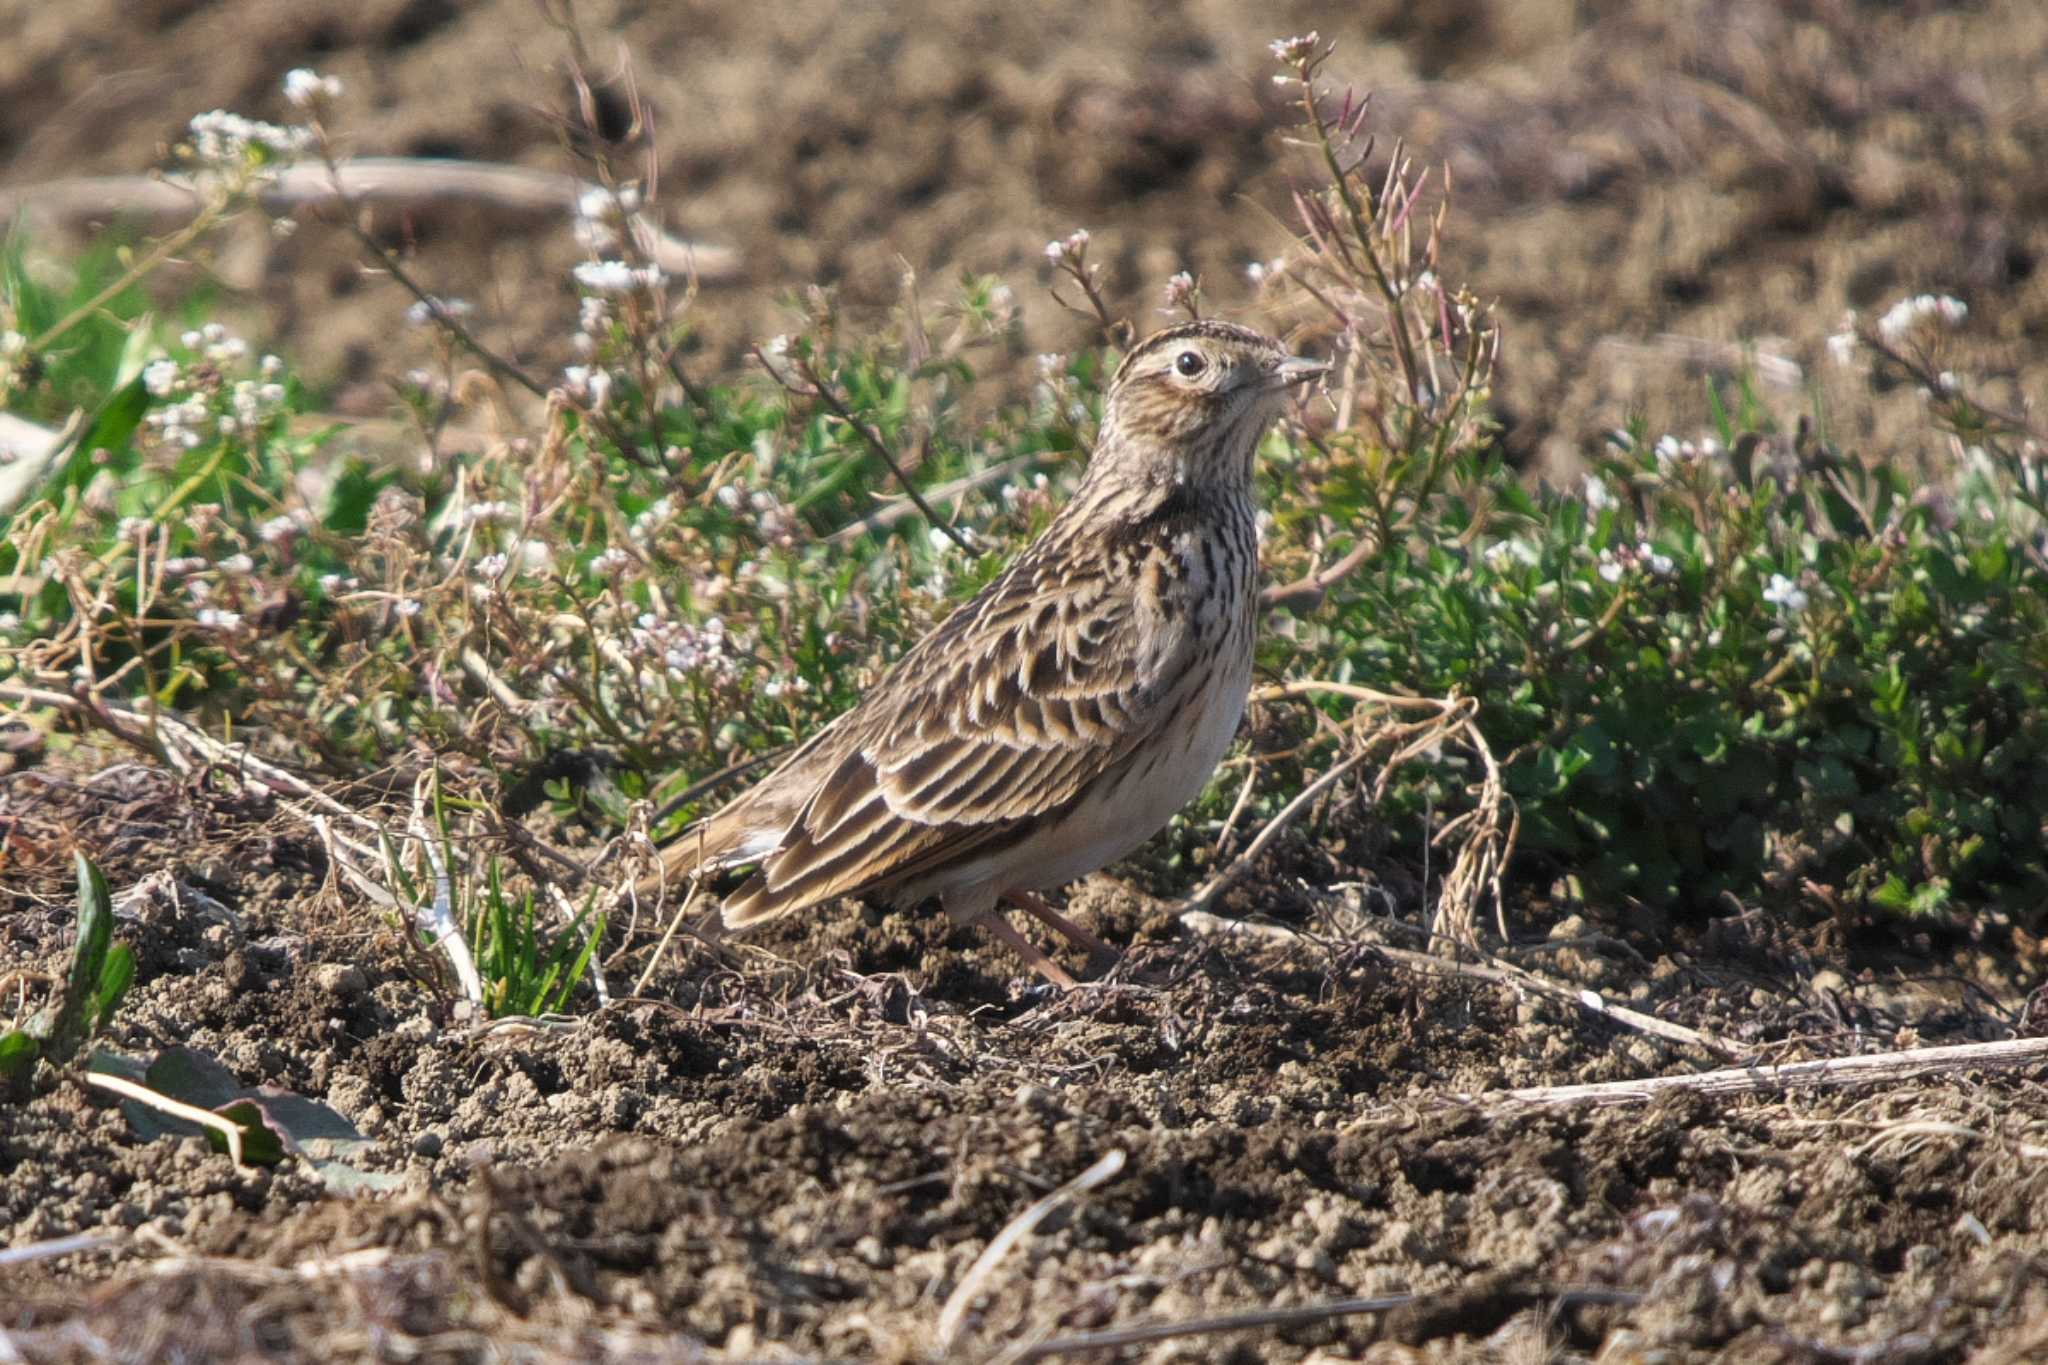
x=109 y=430
x=262 y=1145
x=68 y=1022
x=115 y=979
x=18 y=1053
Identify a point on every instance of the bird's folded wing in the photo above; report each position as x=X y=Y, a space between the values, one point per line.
x=1006 y=714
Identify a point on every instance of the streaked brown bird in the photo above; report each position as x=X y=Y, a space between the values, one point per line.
x=1059 y=719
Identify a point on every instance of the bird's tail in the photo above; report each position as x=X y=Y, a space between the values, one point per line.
x=702 y=851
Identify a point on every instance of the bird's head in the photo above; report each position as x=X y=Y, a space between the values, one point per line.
x=1192 y=401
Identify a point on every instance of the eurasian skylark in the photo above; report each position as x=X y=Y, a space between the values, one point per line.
x=1060 y=718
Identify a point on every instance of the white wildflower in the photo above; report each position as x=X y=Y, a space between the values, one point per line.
x=1903 y=316
x=489 y=513
x=407 y=608
x=1786 y=595
x=304 y=88
x=424 y=311
x=234 y=566
x=491 y=566
x=1181 y=292
x=597 y=201
x=1060 y=249
x=1658 y=563
x=592 y=383
x=611 y=562
x=225 y=141
x=1297 y=49
x=219 y=620
x=161 y=377
x=1598 y=497
x=618 y=277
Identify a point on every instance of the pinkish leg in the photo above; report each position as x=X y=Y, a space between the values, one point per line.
x=1059 y=924
x=1022 y=947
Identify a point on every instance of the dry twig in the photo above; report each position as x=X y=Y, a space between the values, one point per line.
x=953 y=1315
x=410 y=181
x=1483 y=845
x=1878 y=1068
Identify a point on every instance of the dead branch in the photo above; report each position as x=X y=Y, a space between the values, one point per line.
x=1140 y=1334
x=1483 y=845
x=1494 y=972
x=1878 y=1068
x=884 y=517
x=407 y=181
x=953 y=1316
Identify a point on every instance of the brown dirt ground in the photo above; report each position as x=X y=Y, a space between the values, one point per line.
x=800 y=1154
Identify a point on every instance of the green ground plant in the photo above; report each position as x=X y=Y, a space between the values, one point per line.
x=1747 y=665
x=99 y=975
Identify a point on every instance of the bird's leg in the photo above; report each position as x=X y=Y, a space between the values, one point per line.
x=1023 y=947
x=1059 y=924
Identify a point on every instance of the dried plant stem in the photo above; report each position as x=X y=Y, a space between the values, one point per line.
x=56 y=1246
x=165 y=736
x=954 y=1314
x=1493 y=971
x=230 y=1131
x=815 y=385
x=1509 y=974
x=1483 y=844
x=1140 y=1334
x=884 y=517
x=404 y=180
x=1878 y=1068
x=1307 y=592
x=1212 y=889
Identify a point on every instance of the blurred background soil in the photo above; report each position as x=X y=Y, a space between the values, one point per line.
x=1653 y=191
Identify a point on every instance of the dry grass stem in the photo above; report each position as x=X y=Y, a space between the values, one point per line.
x=230 y=1131
x=1141 y=1334
x=404 y=181
x=1483 y=837
x=953 y=1316
x=1878 y=1068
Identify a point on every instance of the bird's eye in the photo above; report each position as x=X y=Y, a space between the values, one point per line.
x=1190 y=364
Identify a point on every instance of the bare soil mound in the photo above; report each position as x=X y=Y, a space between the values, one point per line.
x=805 y=1148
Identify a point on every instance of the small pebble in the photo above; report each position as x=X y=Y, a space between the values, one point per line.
x=343 y=979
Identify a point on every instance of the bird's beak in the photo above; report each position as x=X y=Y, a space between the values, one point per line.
x=1296 y=370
